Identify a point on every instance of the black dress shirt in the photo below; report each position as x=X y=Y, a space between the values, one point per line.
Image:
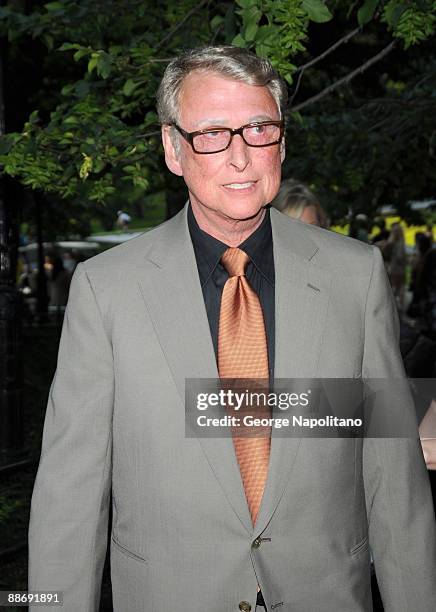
x=260 y=274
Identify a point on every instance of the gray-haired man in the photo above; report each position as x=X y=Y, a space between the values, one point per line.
x=144 y=317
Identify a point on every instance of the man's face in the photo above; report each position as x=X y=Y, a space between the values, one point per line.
x=238 y=182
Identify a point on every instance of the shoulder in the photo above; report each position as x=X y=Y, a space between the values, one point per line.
x=131 y=254
x=326 y=249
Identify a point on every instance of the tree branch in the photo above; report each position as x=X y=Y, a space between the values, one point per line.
x=344 y=80
x=427 y=77
x=149 y=134
x=414 y=102
x=431 y=143
x=157 y=60
x=320 y=57
x=327 y=52
x=177 y=27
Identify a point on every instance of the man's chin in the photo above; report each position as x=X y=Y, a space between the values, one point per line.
x=243 y=212
x=226 y=212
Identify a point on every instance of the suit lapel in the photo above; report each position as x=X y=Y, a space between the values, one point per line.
x=301 y=299
x=172 y=293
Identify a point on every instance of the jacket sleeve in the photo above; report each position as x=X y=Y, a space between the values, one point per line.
x=397 y=490
x=70 y=502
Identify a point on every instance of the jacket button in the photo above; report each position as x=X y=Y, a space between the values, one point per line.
x=244 y=606
x=257 y=542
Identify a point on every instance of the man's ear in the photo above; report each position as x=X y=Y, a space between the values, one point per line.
x=283 y=149
x=172 y=158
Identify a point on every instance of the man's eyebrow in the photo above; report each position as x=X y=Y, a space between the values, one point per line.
x=209 y=122
x=203 y=123
x=262 y=118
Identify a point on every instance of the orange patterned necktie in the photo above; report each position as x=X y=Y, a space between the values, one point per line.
x=243 y=354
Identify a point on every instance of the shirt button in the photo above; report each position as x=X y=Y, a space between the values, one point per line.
x=244 y=606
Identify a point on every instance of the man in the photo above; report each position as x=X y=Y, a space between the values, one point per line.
x=204 y=523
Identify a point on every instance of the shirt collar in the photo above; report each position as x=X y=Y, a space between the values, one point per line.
x=208 y=250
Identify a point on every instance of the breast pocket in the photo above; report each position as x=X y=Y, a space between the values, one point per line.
x=127 y=552
x=360 y=548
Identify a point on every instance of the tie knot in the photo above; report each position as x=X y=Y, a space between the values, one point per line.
x=235 y=261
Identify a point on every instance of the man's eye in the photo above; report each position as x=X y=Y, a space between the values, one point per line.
x=257 y=130
x=211 y=135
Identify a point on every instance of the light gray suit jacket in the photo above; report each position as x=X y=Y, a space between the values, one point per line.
x=135 y=328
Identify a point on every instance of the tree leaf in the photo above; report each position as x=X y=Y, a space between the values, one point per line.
x=296 y=116
x=393 y=13
x=80 y=53
x=129 y=87
x=82 y=88
x=366 y=11
x=351 y=8
x=71 y=120
x=262 y=50
x=104 y=65
x=244 y=3
x=49 y=41
x=265 y=32
x=396 y=15
x=317 y=10
x=251 y=30
x=54 y=6
x=6 y=144
x=85 y=167
x=67 y=90
x=216 y=22
x=92 y=63
x=67 y=46
x=238 y=41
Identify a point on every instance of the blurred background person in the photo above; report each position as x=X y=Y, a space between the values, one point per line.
x=427 y=434
x=296 y=200
x=58 y=284
x=422 y=247
x=123 y=220
x=383 y=233
x=426 y=292
x=359 y=228
x=70 y=261
x=394 y=252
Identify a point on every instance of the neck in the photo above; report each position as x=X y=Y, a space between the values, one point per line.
x=231 y=232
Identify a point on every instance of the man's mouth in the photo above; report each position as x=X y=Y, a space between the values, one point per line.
x=237 y=186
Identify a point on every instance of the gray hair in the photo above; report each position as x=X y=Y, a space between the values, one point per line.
x=227 y=61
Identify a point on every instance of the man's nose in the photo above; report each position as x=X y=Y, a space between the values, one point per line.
x=239 y=155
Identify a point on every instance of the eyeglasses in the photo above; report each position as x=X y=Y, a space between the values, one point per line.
x=215 y=140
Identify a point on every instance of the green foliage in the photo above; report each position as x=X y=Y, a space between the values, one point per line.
x=284 y=31
x=102 y=131
x=412 y=22
x=278 y=29
x=366 y=11
x=96 y=134
x=317 y=10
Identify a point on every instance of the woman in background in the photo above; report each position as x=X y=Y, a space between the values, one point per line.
x=297 y=201
x=394 y=252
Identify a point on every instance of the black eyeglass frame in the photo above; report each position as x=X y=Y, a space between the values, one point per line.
x=189 y=136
